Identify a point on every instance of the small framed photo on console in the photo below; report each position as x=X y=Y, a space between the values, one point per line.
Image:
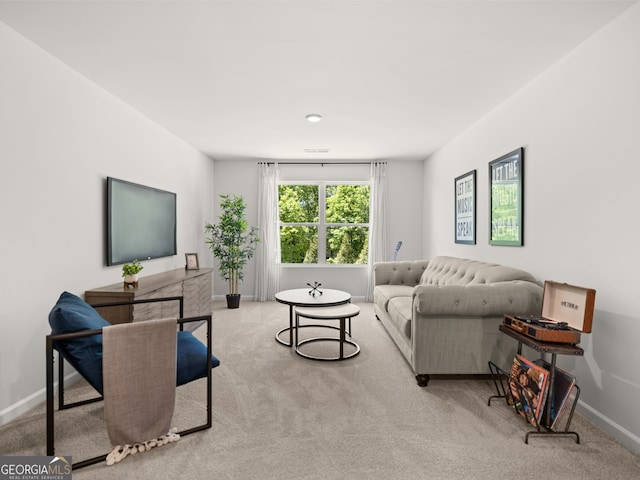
x=191 y=261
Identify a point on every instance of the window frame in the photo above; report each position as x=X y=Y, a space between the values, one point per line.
x=322 y=225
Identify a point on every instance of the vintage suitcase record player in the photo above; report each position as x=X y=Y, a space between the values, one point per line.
x=567 y=311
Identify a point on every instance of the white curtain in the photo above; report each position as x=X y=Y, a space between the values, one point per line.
x=377 y=222
x=268 y=249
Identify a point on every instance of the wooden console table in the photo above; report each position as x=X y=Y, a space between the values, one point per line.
x=193 y=285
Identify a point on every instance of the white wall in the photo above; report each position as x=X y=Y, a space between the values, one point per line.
x=405 y=214
x=60 y=137
x=579 y=123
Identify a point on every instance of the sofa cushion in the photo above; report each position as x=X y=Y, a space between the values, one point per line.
x=384 y=293
x=400 y=312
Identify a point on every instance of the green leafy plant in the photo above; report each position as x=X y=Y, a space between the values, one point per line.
x=131 y=268
x=232 y=241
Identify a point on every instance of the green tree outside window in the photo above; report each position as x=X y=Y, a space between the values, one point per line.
x=337 y=213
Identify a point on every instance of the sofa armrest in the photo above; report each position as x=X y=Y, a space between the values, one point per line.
x=406 y=272
x=517 y=297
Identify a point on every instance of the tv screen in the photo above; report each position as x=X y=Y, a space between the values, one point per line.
x=141 y=222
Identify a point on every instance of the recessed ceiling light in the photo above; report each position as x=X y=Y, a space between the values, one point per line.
x=314 y=117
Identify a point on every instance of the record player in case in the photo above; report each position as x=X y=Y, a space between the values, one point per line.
x=567 y=311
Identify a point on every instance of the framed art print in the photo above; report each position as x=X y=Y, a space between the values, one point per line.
x=506 y=194
x=465 y=208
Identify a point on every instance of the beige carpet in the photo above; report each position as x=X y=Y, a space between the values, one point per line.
x=278 y=416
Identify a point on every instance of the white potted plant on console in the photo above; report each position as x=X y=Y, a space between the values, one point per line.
x=233 y=242
x=130 y=273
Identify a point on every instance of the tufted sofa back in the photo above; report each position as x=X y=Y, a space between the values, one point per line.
x=461 y=271
x=400 y=272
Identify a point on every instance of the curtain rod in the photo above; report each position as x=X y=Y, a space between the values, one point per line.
x=320 y=163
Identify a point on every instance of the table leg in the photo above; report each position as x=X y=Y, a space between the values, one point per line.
x=552 y=381
x=342 y=338
x=291 y=326
x=297 y=325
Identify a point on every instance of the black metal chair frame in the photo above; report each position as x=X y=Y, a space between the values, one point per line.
x=51 y=341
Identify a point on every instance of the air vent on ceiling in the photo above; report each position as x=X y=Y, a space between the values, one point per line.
x=316 y=150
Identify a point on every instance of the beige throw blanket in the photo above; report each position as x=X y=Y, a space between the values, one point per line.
x=139 y=375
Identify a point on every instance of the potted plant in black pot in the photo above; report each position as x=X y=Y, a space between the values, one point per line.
x=233 y=242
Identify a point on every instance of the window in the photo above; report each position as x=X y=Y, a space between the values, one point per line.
x=324 y=222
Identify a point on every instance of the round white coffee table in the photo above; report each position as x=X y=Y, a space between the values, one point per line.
x=338 y=312
x=300 y=297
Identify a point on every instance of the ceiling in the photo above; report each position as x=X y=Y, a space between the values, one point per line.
x=235 y=79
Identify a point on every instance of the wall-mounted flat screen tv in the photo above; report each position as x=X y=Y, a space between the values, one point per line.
x=141 y=222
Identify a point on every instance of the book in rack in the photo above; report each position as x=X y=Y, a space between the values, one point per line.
x=563 y=384
x=528 y=384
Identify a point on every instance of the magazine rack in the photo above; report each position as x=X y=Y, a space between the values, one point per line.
x=502 y=380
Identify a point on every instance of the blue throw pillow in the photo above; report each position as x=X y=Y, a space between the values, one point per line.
x=192 y=358
x=72 y=314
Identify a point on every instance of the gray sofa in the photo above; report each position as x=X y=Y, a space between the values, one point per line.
x=444 y=313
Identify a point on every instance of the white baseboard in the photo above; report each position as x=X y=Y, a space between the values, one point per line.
x=32 y=401
x=23 y=406
x=621 y=434
x=248 y=298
